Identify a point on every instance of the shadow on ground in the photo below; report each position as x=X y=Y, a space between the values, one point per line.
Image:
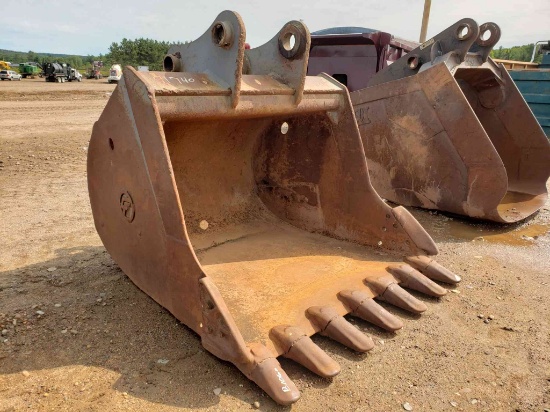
x=80 y=309
x=95 y=316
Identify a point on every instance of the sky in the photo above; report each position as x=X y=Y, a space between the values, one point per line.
x=89 y=26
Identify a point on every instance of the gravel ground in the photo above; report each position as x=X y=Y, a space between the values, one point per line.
x=78 y=335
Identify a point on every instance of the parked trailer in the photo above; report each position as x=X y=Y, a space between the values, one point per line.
x=352 y=55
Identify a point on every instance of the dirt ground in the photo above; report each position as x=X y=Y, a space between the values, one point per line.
x=78 y=335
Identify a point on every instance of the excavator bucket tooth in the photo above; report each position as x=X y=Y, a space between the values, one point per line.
x=266 y=371
x=364 y=307
x=388 y=290
x=233 y=189
x=399 y=297
x=413 y=279
x=446 y=128
x=430 y=268
x=270 y=376
x=299 y=347
x=336 y=327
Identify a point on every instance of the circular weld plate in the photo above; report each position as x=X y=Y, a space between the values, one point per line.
x=127 y=206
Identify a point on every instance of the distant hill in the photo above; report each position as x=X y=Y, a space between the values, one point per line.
x=18 y=55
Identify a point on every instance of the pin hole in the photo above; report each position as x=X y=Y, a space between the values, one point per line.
x=463 y=32
x=284 y=128
x=289 y=41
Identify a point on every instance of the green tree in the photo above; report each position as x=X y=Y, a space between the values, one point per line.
x=31 y=56
x=139 y=52
x=517 y=53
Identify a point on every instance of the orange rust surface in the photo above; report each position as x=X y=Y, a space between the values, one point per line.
x=269 y=273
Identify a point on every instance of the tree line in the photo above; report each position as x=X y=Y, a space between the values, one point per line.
x=517 y=53
x=138 y=52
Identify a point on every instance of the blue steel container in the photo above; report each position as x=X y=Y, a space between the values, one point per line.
x=534 y=85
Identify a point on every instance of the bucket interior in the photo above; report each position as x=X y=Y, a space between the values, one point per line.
x=249 y=194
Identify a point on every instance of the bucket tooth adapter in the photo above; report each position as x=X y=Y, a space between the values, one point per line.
x=233 y=189
x=445 y=127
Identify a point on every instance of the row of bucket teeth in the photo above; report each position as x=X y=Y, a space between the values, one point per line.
x=295 y=344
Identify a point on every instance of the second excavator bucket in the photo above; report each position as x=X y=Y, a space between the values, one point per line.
x=446 y=128
x=233 y=189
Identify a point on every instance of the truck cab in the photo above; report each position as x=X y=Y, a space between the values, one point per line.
x=75 y=75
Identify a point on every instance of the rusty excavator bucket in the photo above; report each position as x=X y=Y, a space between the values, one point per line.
x=446 y=128
x=233 y=189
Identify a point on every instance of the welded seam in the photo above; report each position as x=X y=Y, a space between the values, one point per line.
x=126 y=98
